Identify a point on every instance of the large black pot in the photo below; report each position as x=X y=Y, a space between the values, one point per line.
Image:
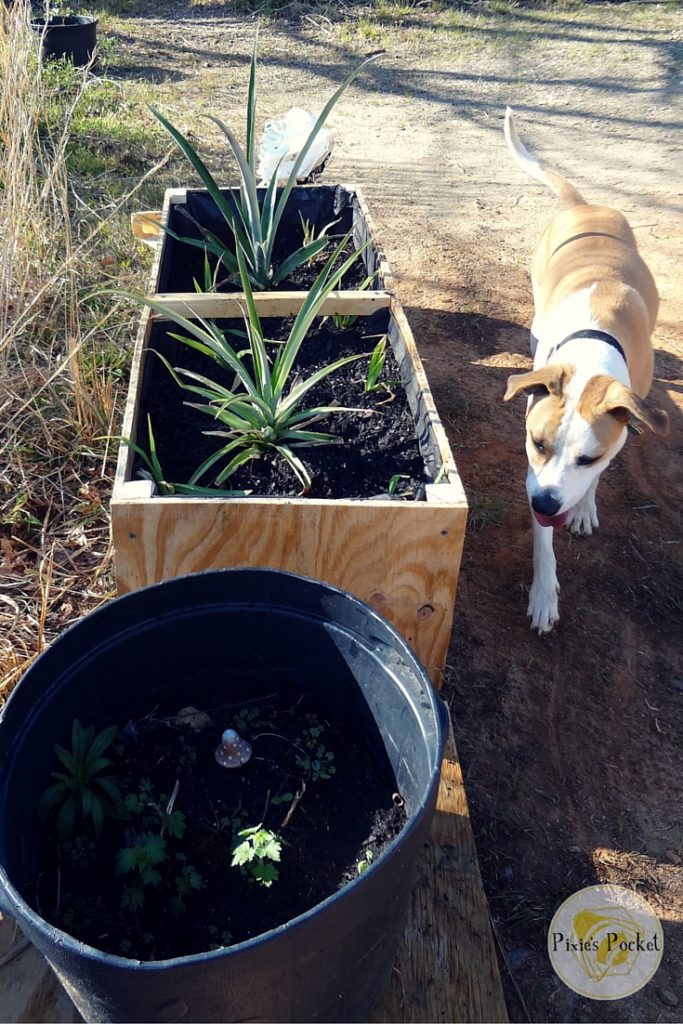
x=73 y=37
x=332 y=962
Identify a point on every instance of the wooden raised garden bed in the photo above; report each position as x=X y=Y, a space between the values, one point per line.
x=402 y=557
x=342 y=206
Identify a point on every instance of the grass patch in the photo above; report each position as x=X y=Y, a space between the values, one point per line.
x=485 y=512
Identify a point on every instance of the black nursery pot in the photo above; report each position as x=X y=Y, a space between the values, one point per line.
x=330 y=963
x=73 y=37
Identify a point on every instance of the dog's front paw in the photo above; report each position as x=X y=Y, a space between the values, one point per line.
x=543 y=610
x=583 y=518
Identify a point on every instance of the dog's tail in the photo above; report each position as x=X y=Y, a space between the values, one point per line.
x=565 y=192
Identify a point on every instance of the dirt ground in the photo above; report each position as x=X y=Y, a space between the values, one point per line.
x=570 y=742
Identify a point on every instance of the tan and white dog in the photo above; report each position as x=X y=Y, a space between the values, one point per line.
x=595 y=309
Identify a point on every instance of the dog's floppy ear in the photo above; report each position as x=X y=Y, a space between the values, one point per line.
x=632 y=411
x=549 y=379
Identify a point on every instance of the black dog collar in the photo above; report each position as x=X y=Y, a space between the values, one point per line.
x=609 y=339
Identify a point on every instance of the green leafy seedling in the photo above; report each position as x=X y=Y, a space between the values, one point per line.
x=258 y=854
x=365 y=862
x=315 y=760
x=246 y=719
x=310 y=236
x=154 y=472
x=342 y=321
x=187 y=882
x=375 y=366
x=144 y=858
x=319 y=764
x=82 y=791
x=394 y=483
x=284 y=798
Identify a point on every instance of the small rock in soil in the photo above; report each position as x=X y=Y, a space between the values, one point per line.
x=191 y=718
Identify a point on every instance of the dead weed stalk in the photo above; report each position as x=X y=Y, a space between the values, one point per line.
x=58 y=394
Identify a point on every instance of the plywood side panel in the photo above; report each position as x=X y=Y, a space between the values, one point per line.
x=400 y=557
x=211 y=305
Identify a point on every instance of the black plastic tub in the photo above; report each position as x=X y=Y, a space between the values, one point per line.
x=73 y=37
x=330 y=963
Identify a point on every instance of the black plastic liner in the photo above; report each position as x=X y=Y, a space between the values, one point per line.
x=330 y=963
x=320 y=205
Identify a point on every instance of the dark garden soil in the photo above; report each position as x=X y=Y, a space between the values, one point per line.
x=376 y=438
x=323 y=793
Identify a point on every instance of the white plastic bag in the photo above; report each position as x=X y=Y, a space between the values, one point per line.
x=285 y=138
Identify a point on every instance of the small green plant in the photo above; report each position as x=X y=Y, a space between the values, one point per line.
x=154 y=472
x=365 y=862
x=246 y=719
x=309 y=234
x=282 y=798
x=342 y=321
x=18 y=514
x=395 y=483
x=221 y=938
x=231 y=823
x=264 y=409
x=143 y=860
x=82 y=792
x=375 y=366
x=253 y=224
x=315 y=760
x=149 y=859
x=485 y=512
x=187 y=882
x=135 y=803
x=172 y=820
x=210 y=277
x=258 y=854
x=80 y=850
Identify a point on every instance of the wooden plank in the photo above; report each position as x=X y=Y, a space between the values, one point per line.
x=232 y=304
x=130 y=427
x=29 y=988
x=446 y=967
x=430 y=432
x=400 y=557
x=364 y=231
x=146 y=226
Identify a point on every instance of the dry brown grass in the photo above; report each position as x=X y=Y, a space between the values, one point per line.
x=58 y=395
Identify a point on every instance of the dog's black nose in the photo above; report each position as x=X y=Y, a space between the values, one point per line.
x=546 y=503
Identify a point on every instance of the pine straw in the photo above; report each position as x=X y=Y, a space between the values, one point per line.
x=58 y=400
